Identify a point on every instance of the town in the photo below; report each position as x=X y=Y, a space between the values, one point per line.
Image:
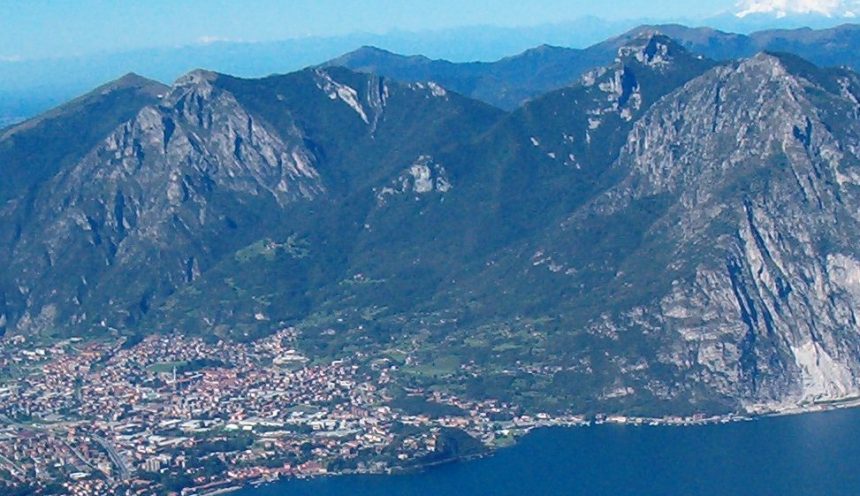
x=178 y=415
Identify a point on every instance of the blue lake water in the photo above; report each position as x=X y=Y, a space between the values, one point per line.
x=815 y=454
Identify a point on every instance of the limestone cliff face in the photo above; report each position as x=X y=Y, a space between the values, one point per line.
x=153 y=196
x=592 y=116
x=754 y=166
x=200 y=170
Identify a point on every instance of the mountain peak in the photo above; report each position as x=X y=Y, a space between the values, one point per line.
x=143 y=88
x=131 y=80
x=785 y=8
x=778 y=64
x=369 y=56
x=651 y=48
x=542 y=49
x=366 y=52
x=196 y=77
x=370 y=49
x=766 y=58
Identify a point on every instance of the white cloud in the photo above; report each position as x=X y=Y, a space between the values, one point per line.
x=782 y=8
x=209 y=39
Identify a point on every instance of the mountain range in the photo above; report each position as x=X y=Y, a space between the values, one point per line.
x=509 y=82
x=649 y=226
x=29 y=86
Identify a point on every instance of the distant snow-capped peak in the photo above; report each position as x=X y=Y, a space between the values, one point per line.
x=784 y=8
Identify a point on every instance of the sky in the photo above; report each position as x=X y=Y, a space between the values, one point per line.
x=59 y=28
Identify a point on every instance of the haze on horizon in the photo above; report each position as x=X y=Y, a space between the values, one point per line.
x=47 y=29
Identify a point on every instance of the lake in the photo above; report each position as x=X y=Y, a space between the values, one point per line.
x=813 y=454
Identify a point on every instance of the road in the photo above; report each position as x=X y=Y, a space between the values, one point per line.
x=15 y=470
x=115 y=457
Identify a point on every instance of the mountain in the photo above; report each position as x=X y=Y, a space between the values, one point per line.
x=667 y=235
x=37 y=149
x=831 y=47
x=509 y=82
x=506 y=83
x=213 y=165
x=757 y=277
x=29 y=86
x=402 y=239
x=553 y=151
x=722 y=256
x=752 y=15
x=537 y=165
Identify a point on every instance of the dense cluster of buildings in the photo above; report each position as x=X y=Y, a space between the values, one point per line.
x=173 y=414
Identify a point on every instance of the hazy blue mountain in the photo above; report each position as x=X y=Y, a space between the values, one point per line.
x=28 y=87
x=829 y=47
x=509 y=82
x=506 y=83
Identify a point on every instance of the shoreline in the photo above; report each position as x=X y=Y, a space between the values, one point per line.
x=226 y=490
x=524 y=430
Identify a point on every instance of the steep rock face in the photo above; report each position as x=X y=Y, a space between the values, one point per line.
x=232 y=143
x=422 y=177
x=148 y=204
x=35 y=150
x=590 y=120
x=216 y=166
x=552 y=155
x=751 y=268
x=370 y=110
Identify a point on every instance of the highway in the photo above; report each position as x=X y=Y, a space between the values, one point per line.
x=15 y=470
x=115 y=457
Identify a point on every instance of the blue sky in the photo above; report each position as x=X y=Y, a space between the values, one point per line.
x=48 y=28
